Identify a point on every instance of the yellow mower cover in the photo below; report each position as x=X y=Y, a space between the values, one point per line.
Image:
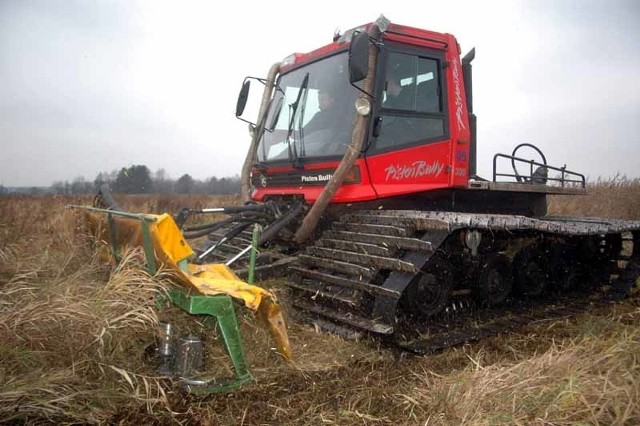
x=171 y=250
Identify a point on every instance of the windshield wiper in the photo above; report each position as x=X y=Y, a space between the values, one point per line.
x=290 y=131
x=293 y=155
x=303 y=107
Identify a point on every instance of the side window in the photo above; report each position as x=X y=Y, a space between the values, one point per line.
x=400 y=86
x=412 y=108
x=427 y=87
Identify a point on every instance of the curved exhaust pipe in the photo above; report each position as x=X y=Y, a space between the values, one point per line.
x=310 y=221
x=257 y=131
x=467 y=78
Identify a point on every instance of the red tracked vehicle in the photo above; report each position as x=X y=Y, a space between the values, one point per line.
x=378 y=214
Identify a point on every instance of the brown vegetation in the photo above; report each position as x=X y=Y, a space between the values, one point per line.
x=617 y=198
x=73 y=334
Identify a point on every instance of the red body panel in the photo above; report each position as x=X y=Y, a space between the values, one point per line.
x=410 y=170
x=458 y=121
x=362 y=191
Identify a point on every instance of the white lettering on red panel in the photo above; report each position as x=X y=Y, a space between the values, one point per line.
x=458 y=94
x=414 y=170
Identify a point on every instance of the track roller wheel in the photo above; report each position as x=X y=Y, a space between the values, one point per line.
x=612 y=246
x=565 y=271
x=429 y=294
x=530 y=275
x=573 y=278
x=494 y=280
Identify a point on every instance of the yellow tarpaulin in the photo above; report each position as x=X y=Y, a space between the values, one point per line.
x=171 y=250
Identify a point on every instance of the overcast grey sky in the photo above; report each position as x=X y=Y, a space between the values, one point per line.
x=90 y=86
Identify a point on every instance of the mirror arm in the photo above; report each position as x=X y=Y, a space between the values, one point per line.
x=264 y=82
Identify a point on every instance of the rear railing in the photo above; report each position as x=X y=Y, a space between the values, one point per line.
x=539 y=173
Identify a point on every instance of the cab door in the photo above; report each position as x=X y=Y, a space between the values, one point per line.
x=410 y=149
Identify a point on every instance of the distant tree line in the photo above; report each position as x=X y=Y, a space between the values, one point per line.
x=138 y=179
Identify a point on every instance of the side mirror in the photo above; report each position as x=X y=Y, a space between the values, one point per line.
x=359 y=57
x=242 y=98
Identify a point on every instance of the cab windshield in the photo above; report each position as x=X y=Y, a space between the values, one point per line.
x=320 y=124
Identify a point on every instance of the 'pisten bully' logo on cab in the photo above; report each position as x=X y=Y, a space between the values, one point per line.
x=414 y=170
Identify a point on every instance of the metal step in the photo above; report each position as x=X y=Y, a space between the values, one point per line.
x=389 y=219
x=362 y=259
x=338 y=266
x=371 y=229
x=345 y=282
x=356 y=247
x=315 y=289
x=347 y=318
x=404 y=243
x=273 y=269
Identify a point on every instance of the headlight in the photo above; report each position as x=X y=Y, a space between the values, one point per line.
x=363 y=106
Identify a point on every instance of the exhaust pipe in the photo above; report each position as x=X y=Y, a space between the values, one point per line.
x=468 y=89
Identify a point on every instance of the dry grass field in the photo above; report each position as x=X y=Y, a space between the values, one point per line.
x=73 y=334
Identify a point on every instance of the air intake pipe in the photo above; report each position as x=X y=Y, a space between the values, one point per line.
x=354 y=149
x=257 y=131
